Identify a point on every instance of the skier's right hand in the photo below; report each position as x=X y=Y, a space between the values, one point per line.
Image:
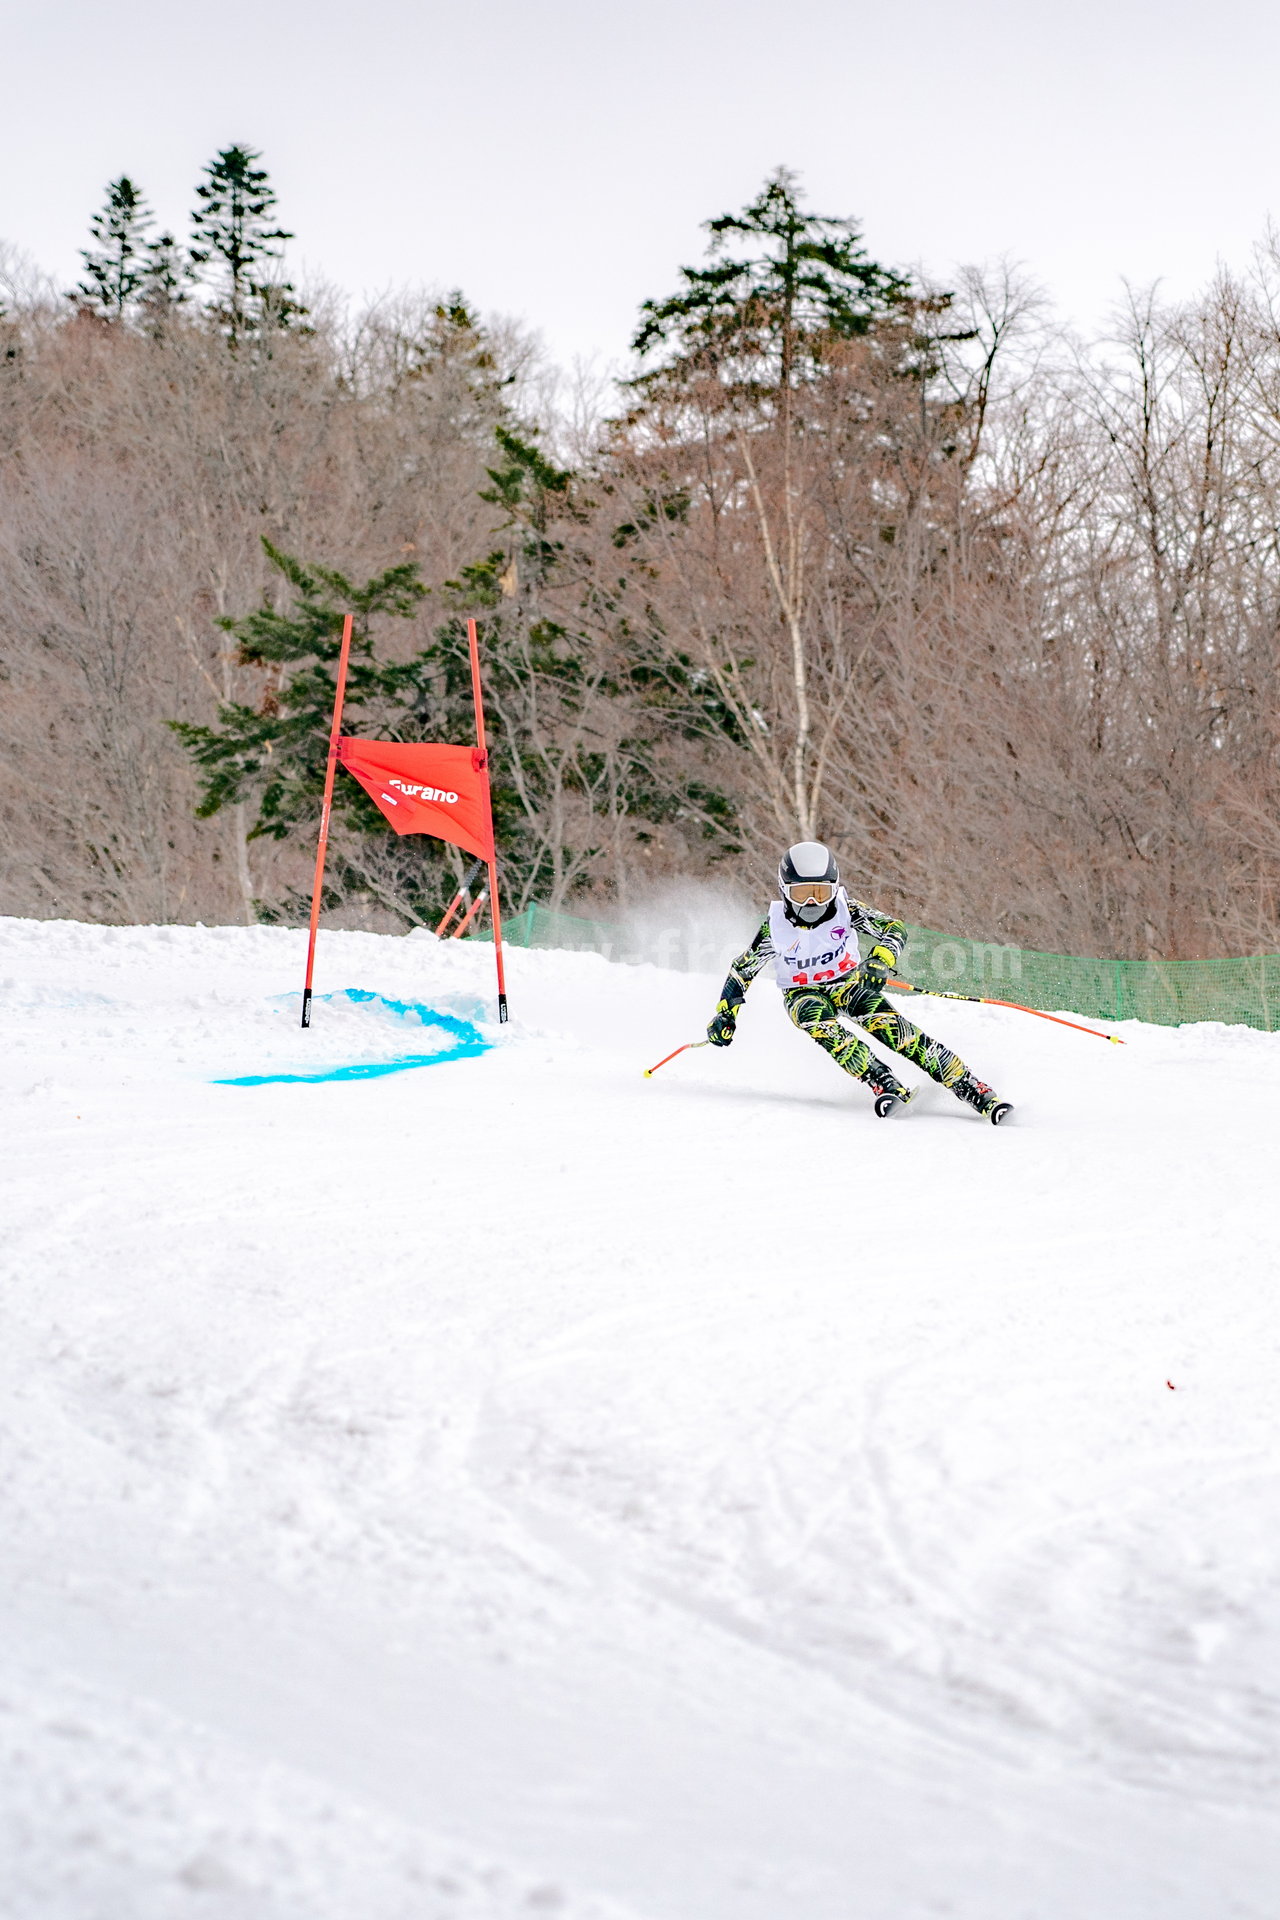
x=724 y=1025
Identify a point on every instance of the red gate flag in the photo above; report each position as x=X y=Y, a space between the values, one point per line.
x=426 y=789
x=421 y=789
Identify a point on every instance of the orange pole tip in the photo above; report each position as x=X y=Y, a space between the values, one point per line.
x=688 y=1047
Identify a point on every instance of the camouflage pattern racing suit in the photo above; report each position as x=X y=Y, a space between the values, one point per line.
x=820 y=1010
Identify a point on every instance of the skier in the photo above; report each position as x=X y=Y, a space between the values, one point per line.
x=811 y=935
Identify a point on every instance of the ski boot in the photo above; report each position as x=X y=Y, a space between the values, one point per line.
x=982 y=1099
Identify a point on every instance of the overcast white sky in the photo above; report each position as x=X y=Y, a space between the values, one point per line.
x=555 y=158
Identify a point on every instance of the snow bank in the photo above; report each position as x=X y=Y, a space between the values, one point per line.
x=509 y=1486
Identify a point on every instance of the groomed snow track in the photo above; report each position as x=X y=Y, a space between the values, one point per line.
x=512 y=1487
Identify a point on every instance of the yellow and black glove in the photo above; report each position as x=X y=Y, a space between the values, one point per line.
x=878 y=965
x=724 y=1024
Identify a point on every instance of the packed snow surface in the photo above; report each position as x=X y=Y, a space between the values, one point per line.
x=508 y=1486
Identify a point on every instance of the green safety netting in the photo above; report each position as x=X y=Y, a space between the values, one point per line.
x=1168 y=993
x=540 y=927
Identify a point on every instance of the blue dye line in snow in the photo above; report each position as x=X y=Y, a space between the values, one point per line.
x=467 y=1042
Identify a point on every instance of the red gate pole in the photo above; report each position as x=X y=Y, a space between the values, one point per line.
x=459 y=899
x=324 y=814
x=474 y=641
x=472 y=911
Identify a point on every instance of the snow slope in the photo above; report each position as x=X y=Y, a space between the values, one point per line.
x=514 y=1487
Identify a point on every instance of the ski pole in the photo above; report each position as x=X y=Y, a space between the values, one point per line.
x=980 y=1000
x=686 y=1048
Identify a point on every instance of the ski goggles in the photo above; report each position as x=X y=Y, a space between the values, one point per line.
x=806 y=893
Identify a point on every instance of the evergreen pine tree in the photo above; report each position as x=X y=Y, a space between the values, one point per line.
x=749 y=352
x=115 y=270
x=276 y=752
x=761 y=316
x=274 y=755
x=561 y=763
x=165 y=279
x=232 y=234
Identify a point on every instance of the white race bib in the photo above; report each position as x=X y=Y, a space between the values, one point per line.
x=813 y=956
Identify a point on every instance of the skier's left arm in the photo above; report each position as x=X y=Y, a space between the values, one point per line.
x=724 y=1021
x=888 y=937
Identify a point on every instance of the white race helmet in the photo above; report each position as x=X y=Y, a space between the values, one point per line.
x=808 y=877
